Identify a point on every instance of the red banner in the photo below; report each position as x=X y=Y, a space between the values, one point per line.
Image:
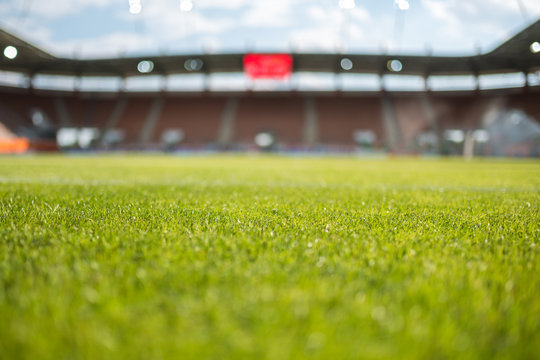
x=268 y=66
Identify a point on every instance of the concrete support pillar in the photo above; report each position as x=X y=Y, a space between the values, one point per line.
x=113 y=119
x=152 y=118
x=123 y=84
x=476 y=82
x=62 y=112
x=338 y=82
x=426 y=84
x=30 y=82
x=427 y=106
x=468 y=145
x=164 y=86
x=391 y=128
x=206 y=82
x=225 y=136
x=310 y=131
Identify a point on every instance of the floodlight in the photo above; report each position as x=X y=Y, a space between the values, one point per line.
x=402 y=4
x=186 y=5
x=347 y=4
x=145 y=66
x=535 y=47
x=394 y=65
x=135 y=6
x=11 y=52
x=193 y=64
x=346 y=64
x=135 y=9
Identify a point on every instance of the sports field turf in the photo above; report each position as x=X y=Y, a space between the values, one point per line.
x=268 y=257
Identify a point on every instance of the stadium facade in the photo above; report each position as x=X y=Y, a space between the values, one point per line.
x=495 y=120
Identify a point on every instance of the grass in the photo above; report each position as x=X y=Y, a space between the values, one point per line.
x=266 y=257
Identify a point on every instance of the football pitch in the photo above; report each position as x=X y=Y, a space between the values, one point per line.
x=268 y=257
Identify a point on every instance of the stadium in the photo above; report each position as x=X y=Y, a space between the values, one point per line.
x=422 y=120
x=270 y=201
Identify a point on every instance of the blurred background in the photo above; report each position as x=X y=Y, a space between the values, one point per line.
x=368 y=77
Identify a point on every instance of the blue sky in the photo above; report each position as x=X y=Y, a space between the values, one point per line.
x=102 y=28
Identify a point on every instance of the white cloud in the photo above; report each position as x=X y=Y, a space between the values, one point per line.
x=318 y=39
x=531 y=6
x=450 y=10
x=316 y=13
x=356 y=33
x=307 y=24
x=56 y=8
x=442 y=10
x=222 y=4
x=166 y=25
x=276 y=13
x=328 y=39
x=360 y=13
x=36 y=34
x=475 y=22
x=109 y=45
x=166 y=28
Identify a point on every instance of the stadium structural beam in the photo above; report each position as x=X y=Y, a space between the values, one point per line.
x=513 y=55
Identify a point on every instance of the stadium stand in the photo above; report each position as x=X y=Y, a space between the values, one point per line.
x=281 y=116
x=132 y=120
x=528 y=102
x=198 y=119
x=412 y=119
x=460 y=111
x=339 y=117
x=100 y=111
x=334 y=120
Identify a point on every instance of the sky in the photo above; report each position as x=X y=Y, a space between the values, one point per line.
x=106 y=28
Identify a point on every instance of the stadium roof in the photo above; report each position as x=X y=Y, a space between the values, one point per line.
x=521 y=53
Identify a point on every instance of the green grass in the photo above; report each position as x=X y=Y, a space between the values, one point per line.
x=265 y=257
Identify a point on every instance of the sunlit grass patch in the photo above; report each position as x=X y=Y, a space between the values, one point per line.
x=268 y=257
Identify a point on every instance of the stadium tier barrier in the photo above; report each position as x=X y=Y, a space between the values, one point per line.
x=407 y=122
